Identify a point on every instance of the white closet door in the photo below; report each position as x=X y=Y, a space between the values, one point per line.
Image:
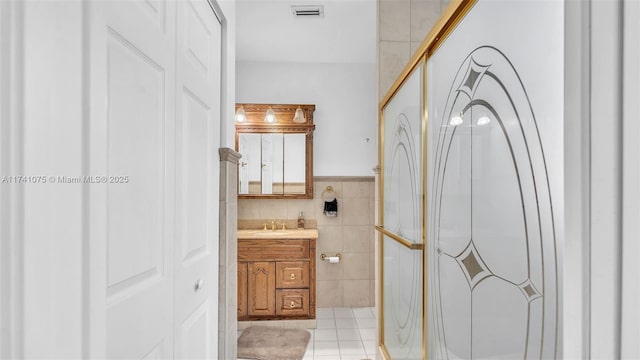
x=197 y=178
x=132 y=57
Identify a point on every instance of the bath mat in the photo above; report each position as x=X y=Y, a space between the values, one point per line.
x=269 y=343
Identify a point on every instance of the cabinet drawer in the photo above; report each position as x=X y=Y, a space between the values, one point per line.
x=292 y=302
x=292 y=274
x=273 y=249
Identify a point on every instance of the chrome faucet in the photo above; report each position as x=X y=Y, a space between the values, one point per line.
x=273 y=225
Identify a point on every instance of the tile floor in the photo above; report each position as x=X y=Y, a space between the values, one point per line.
x=342 y=333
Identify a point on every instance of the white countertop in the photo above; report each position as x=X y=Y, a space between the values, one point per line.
x=278 y=234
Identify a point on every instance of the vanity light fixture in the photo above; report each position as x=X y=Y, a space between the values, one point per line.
x=241 y=116
x=270 y=116
x=299 y=116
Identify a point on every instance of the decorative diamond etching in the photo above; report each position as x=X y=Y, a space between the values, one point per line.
x=472 y=266
x=472 y=78
x=529 y=290
x=490 y=320
x=474 y=269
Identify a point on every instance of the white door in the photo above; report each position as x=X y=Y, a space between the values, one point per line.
x=132 y=57
x=154 y=121
x=197 y=178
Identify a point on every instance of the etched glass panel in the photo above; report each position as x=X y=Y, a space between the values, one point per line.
x=402 y=285
x=403 y=161
x=495 y=165
x=402 y=300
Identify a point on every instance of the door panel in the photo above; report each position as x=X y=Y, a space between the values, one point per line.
x=131 y=119
x=261 y=289
x=193 y=140
x=135 y=149
x=197 y=176
x=494 y=259
x=195 y=334
x=156 y=11
x=154 y=110
x=401 y=246
x=198 y=46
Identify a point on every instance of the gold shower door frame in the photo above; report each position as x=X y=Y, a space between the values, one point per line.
x=450 y=18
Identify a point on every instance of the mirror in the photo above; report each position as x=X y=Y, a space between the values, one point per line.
x=277 y=157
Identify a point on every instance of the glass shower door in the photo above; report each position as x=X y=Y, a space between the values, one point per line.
x=493 y=259
x=401 y=227
x=471 y=245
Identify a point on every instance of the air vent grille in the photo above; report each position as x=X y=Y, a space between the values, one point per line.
x=307 y=10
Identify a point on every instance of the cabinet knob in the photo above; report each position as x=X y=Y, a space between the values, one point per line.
x=199 y=284
x=292 y=305
x=292 y=276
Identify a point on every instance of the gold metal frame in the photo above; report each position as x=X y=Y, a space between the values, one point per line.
x=406 y=243
x=447 y=22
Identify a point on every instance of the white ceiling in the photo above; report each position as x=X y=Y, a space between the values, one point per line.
x=268 y=31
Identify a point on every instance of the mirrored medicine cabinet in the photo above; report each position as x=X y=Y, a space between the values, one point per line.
x=276 y=143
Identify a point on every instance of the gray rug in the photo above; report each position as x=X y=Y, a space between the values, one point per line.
x=269 y=343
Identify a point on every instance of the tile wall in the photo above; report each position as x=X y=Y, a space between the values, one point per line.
x=351 y=233
x=402 y=26
x=228 y=255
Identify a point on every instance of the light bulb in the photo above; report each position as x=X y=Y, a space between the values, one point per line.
x=299 y=116
x=241 y=116
x=270 y=116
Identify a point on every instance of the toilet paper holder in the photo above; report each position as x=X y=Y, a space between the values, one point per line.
x=326 y=258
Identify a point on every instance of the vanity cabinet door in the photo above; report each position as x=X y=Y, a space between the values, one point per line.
x=261 y=288
x=242 y=289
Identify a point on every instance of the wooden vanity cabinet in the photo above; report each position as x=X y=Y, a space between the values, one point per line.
x=276 y=279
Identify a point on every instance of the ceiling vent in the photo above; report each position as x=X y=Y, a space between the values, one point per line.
x=307 y=10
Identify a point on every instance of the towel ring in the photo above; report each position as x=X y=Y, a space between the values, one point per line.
x=329 y=190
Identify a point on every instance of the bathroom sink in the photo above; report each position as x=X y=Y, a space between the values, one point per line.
x=278 y=234
x=271 y=232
